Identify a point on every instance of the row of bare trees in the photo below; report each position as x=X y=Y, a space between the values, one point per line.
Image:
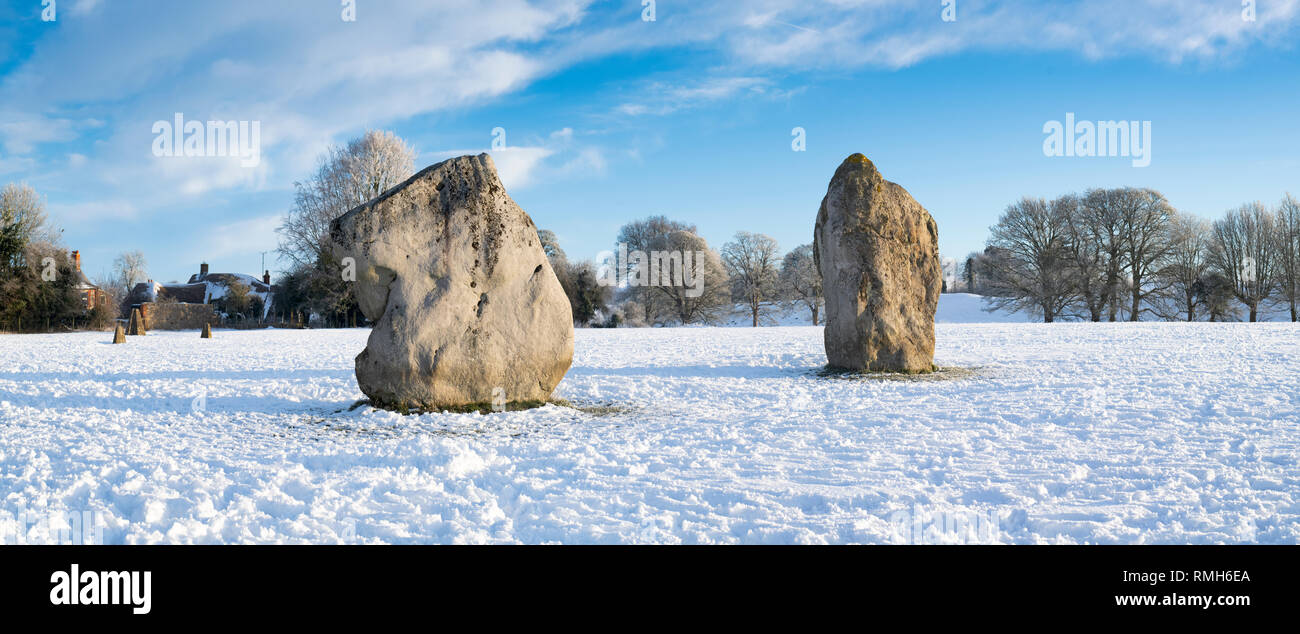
x=1126 y=253
x=749 y=270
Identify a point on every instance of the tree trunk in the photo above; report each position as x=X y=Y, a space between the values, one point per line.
x=1191 y=309
x=1293 y=313
x=1254 y=312
x=814 y=312
x=754 y=309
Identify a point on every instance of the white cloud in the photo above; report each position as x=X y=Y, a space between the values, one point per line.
x=517 y=165
x=893 y=34
x=312 y=79
x=660 y=98
x=21 y=132
x=242 y=237
x=559 y=153
x=83 y=7
x=68 y=214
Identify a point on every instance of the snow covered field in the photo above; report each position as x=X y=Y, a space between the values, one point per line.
x=1068 y=432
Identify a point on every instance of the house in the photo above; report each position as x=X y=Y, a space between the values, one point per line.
x=91 y=295
x=193 y=303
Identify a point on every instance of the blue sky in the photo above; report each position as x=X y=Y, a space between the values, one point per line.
x=610 y=118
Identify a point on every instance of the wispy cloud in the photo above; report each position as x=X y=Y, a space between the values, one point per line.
x=661 y=98
x=244 y=237
x=520 y=166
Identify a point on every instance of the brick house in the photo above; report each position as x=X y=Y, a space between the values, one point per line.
x=91 y=295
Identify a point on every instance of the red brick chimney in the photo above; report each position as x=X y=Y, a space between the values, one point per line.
x=76 y=259
x=266 y=278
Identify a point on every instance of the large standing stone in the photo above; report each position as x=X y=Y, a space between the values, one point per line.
x=878 y=253
x=466 y=308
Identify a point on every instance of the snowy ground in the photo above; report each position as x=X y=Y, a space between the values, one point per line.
x=1071 y=432
x=954 y=308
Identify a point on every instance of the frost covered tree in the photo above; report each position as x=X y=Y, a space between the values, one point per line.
x=550 y=245
x=1244 y=252
x=1027 y=264
x=1103 y=211
x=1087 y=235
x=130 y=268
x=346 y=176
x=1288 y=252
x=751 y=261
x=801 y=281
x=1188 y=264
x=704 y=292
x=23 y=221
x=1145 y=216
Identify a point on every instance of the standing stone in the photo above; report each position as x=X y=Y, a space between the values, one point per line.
x=878 y=253
x=136 y=326
x=207 y=332
x=119 y=335
x=464 y=303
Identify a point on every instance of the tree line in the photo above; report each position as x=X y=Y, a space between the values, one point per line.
x=749 y=271
x=1126 y=253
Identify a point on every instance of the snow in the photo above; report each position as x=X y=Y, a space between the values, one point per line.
x=1051 y=433
x=954 y=308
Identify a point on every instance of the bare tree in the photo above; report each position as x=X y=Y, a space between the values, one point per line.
x=1027 y=263
x=751 y=260
x=1104 y=209
x=345 y=177
x=1288 y=251
x=704 y=290
x=550 y=245
x=642 y=235
x=129 y=269
x=1089 y=259
x=800 y=279
x=690 y=283
x=111 y=286
x=1144 y=224
x=1244 y=253
x=1189 y=262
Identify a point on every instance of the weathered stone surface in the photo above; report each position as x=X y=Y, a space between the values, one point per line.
x=207 y=332
x=119 y=335
x=136 y=325
x=467 y=310
x=878 y=253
